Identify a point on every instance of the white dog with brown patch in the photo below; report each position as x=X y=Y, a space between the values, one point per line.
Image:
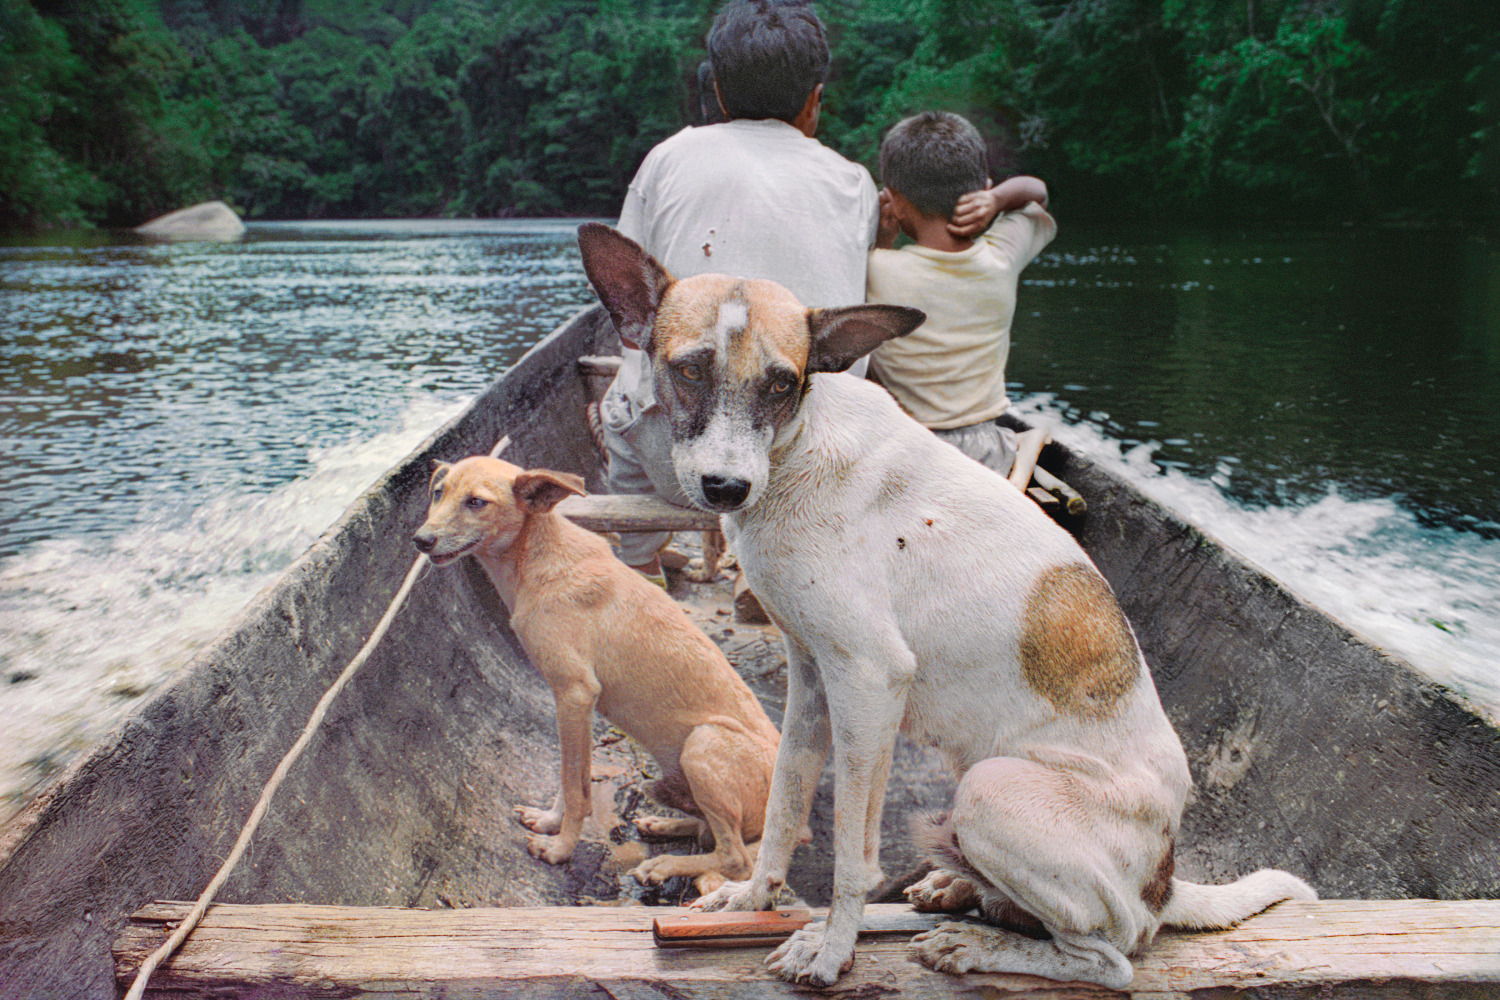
x=604 y=638
x=920 y=592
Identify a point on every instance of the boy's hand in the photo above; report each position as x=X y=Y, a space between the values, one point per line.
x=976 y=210
x=885 y=233
x=973 y=214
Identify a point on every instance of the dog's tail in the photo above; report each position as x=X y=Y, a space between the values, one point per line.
x=1215 y=907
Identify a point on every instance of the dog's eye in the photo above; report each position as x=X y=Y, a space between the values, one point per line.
x=475 y=502
x=690 y=372
x=782 y=386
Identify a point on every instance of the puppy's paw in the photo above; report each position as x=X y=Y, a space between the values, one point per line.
x=697 y=572
x=807 y=959
x=655 y=871
x=951 y=948
x=553 y=850
x=667 y=827
x=942 y=892
x=709 y=882
x=731 y=896
x=539 y=820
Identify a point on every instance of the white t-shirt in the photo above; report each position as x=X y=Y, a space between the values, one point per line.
x=756 y=199
x=950 y=371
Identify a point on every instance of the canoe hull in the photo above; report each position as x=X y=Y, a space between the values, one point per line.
x=1312 y=751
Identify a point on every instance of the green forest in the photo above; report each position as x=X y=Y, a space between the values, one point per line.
x=113 y=111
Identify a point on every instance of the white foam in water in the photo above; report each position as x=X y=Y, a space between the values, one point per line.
x=89 y=629
x=1428 y=595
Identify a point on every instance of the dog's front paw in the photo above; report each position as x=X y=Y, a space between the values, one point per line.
x=553 y=850
x=539 y=820
x=942 y=892
x=807 y=959
x=952 y=948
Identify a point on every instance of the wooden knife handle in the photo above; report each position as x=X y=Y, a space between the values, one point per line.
x=727 y=929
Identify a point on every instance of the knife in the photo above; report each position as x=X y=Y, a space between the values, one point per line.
x=736 y=929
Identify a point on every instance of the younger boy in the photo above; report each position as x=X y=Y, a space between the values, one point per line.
x=950 y=372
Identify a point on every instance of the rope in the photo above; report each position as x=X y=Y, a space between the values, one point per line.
x=138 y=987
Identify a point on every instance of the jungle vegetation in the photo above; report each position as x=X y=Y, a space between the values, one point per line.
x=112 y=111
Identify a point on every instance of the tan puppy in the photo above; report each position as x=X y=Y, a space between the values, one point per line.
x=920 y=592
x=604 y=638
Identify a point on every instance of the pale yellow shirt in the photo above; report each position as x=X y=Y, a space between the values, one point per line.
x=950 y=371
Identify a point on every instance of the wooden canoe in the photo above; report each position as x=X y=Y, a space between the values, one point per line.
x=1312 y=750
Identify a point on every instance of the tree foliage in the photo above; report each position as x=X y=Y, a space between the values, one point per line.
x=115 y=110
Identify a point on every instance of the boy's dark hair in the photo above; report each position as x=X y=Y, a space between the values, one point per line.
x=933 y=159
x=767 y=57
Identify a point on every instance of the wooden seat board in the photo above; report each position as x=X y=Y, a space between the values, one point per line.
x=1386 y=948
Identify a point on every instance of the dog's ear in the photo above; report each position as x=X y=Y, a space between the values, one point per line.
x=439 y=473
x=842 y=336
x=539 y=490
x=629 y=281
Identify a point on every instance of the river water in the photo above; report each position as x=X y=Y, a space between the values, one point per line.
x=180 y=422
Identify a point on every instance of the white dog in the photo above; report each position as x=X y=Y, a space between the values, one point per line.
x=920 y=592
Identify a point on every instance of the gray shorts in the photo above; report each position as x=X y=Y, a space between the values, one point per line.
x=989 y=444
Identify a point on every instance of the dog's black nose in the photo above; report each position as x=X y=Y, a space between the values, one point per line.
x=424 y=543
x=725 y=493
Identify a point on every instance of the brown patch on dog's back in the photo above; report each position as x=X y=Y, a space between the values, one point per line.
x=1077 y=650
x=1157 y=892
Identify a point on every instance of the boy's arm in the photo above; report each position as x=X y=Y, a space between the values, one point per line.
x=977 y=209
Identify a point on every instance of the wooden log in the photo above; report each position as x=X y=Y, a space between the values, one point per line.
x=1043 y=499
x=612 y=512
x=1347 y=948
x=1072 y=502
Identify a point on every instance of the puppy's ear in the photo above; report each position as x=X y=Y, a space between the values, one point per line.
x=439 y=473
x=539 y=490
x=629 y=281
x=841 y=337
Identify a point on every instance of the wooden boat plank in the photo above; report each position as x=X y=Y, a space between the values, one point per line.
x=1382 y=948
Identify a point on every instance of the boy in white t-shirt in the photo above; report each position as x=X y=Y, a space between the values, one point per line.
x=950 y=372
x=755 y=196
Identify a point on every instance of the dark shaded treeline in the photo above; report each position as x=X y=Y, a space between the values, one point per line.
x=115 y=110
